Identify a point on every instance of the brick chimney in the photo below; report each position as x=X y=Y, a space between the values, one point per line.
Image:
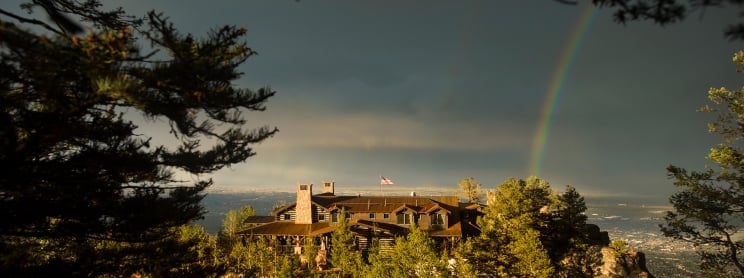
x=304 y=205
x=328 y=187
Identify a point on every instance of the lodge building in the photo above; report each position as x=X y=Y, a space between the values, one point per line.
x=370 y=218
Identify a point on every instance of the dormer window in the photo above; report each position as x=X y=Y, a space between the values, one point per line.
x=437 y=219
x=404 y=218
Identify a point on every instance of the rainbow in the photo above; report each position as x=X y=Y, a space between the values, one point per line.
x=570 y=50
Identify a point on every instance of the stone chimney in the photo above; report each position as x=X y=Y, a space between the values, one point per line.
x=304 y=206
x=328 y=187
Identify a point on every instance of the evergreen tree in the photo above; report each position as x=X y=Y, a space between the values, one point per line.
x=709 y=209
x=344 y=253
x=202 y=256
x=510 y=240
x=415 y=256
x=79 y=173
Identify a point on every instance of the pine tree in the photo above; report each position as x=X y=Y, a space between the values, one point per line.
x=510 y=241
x=344 y=255
x=709 y=209
x=79 y=173
x=415 y=256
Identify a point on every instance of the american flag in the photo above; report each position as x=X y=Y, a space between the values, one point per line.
x=384 y=180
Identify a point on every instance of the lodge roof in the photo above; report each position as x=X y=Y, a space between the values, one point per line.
x=388 y=227
x=381 y=204
x=259 y=219
x=290 y=229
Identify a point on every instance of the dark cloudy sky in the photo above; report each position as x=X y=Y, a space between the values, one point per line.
x=429 y=92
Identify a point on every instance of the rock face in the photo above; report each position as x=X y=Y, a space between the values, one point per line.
x=597 y=237
x=613 y=261
x=613 y=264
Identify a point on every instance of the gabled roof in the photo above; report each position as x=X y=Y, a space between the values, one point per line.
x=382 y=204
x=405 y=207
x=436 y=207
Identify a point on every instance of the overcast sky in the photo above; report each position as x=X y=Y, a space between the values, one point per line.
x=429 y=92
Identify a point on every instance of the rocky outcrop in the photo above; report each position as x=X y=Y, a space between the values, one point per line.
x=614 y=260
x=614 y=264
x=596 y=236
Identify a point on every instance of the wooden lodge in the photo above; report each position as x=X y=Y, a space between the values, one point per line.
x=370 y=218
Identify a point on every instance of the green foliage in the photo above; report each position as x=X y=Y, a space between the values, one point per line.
x=310 y=251
x=201 y=259
x=259 y=257
x=620 y=248
x=709 y=209
x=233 y=249
x=526 y=230
x=566 y=234
x=233 y=223
x=289 y=267
x=462 y=267
x=84 y=190
x=415 y=256
x=510 y=229
x=344 y=255
x=531 y=257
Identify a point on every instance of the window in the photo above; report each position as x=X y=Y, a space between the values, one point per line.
x=371 y=216
x=334 y=217
x=385 y=216
x=286 y=217
x=404 y=218
x=303 y=187
x=437 y=219
x=321 y=217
